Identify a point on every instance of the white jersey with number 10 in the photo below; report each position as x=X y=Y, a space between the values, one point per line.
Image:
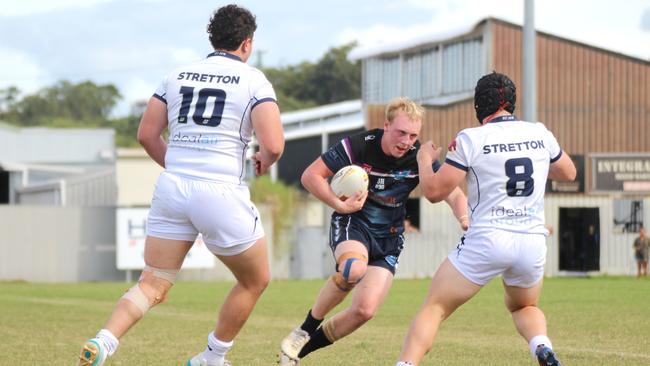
x=507 y=163
x=209 y=104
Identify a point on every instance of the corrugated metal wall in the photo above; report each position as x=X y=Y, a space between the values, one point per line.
x=593 y=100
x=71 y=244
x=426 y=249
x=98 y=189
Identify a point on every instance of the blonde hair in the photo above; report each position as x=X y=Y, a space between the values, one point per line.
x=413 y=110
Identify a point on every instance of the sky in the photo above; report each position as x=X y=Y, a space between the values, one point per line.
x=133 y=44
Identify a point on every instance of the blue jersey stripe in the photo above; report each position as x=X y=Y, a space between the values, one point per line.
x=160 y=98
x=456 y=164
x=557 y=157
x=263 y=100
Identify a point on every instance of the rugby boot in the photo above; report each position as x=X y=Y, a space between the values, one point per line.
x=293 y=343
x=546 y=356
x=288 y=361
x=93 y=353
x=199 y=360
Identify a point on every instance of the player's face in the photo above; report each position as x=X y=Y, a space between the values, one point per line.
x=400 y=135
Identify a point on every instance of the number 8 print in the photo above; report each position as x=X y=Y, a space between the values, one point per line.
x=520 y=171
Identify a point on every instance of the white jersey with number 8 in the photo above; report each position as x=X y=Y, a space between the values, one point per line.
x=507 y=163
x=209 y=104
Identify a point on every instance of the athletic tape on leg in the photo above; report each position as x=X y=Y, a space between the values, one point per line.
x=137 y=297
x=346 y=268
x=165 y=274
x=330 y=331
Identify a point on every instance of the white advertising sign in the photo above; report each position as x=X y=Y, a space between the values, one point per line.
x=131 y=233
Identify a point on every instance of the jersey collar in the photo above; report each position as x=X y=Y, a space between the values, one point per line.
x=226 y=54
x=510 y=117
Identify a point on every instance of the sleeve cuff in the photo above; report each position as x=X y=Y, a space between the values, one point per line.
x=553 y=160
x=456 y=164
x=160 y=98
x=263 y=100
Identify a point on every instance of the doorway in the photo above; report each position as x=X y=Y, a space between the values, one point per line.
x=579 y=239
x=4 y=186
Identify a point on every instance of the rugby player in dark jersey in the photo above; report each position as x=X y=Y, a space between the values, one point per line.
x=366 y=230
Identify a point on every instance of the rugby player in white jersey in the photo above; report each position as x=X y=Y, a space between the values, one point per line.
x=211 y=108
x=505 y=162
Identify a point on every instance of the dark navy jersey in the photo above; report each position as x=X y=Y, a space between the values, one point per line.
x=391 y=180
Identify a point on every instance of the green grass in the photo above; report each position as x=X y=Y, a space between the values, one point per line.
x=593 y=321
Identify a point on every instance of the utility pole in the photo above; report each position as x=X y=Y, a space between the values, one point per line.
x=529 y=71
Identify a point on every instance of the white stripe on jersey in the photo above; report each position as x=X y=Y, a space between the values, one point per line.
x=507 y=163
x=209 y=104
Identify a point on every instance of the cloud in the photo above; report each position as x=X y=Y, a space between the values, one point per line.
x=18 y=68
x=31 y=7
x=645 y=20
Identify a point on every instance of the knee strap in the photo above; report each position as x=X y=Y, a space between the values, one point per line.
x=138 y=297
x=342 y=277
x=165 y=274
x=346 y=268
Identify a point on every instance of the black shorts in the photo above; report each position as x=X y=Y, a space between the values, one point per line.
x=382 y=252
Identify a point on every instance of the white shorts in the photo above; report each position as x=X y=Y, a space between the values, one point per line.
x=223 y=213
x=483 y=254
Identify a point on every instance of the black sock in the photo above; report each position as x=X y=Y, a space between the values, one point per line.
x=316 y=341
x=310 y=323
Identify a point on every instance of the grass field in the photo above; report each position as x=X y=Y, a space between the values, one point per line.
x=592 y=321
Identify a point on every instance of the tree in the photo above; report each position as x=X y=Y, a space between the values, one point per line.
x=332 y=79
x=83 y=103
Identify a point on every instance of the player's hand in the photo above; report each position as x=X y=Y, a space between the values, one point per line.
x=352 y=204
x=428 y=152
x=464 y=222
x=260 y=169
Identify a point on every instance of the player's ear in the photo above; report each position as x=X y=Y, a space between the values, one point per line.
x=247 y=44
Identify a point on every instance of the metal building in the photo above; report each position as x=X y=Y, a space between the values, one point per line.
x=53 y=166
x=309 y=132
x=596 y=101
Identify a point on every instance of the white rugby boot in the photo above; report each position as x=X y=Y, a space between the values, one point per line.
x=93 y=353
x=288 y=361
x=293 y=343
x=199 y=360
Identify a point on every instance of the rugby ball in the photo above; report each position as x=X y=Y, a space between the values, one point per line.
x=348 y=181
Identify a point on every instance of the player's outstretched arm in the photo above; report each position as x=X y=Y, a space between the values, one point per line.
x=562 y=169
x=314 y=179
x=270 y=135
x=152 y=124
x=458 y=203
x=436 y=186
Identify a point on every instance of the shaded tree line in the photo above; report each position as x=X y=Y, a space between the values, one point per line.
x=331 y=79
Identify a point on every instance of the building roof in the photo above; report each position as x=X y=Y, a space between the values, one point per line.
x=367 y=51
x=331 y=118
x=63 y=146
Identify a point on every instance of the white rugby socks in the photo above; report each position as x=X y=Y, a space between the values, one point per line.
x=402 y=363
x=536 y=341
x=216 y=350
x=110 y=341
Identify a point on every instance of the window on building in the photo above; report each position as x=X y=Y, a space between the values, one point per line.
x=444 y=69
